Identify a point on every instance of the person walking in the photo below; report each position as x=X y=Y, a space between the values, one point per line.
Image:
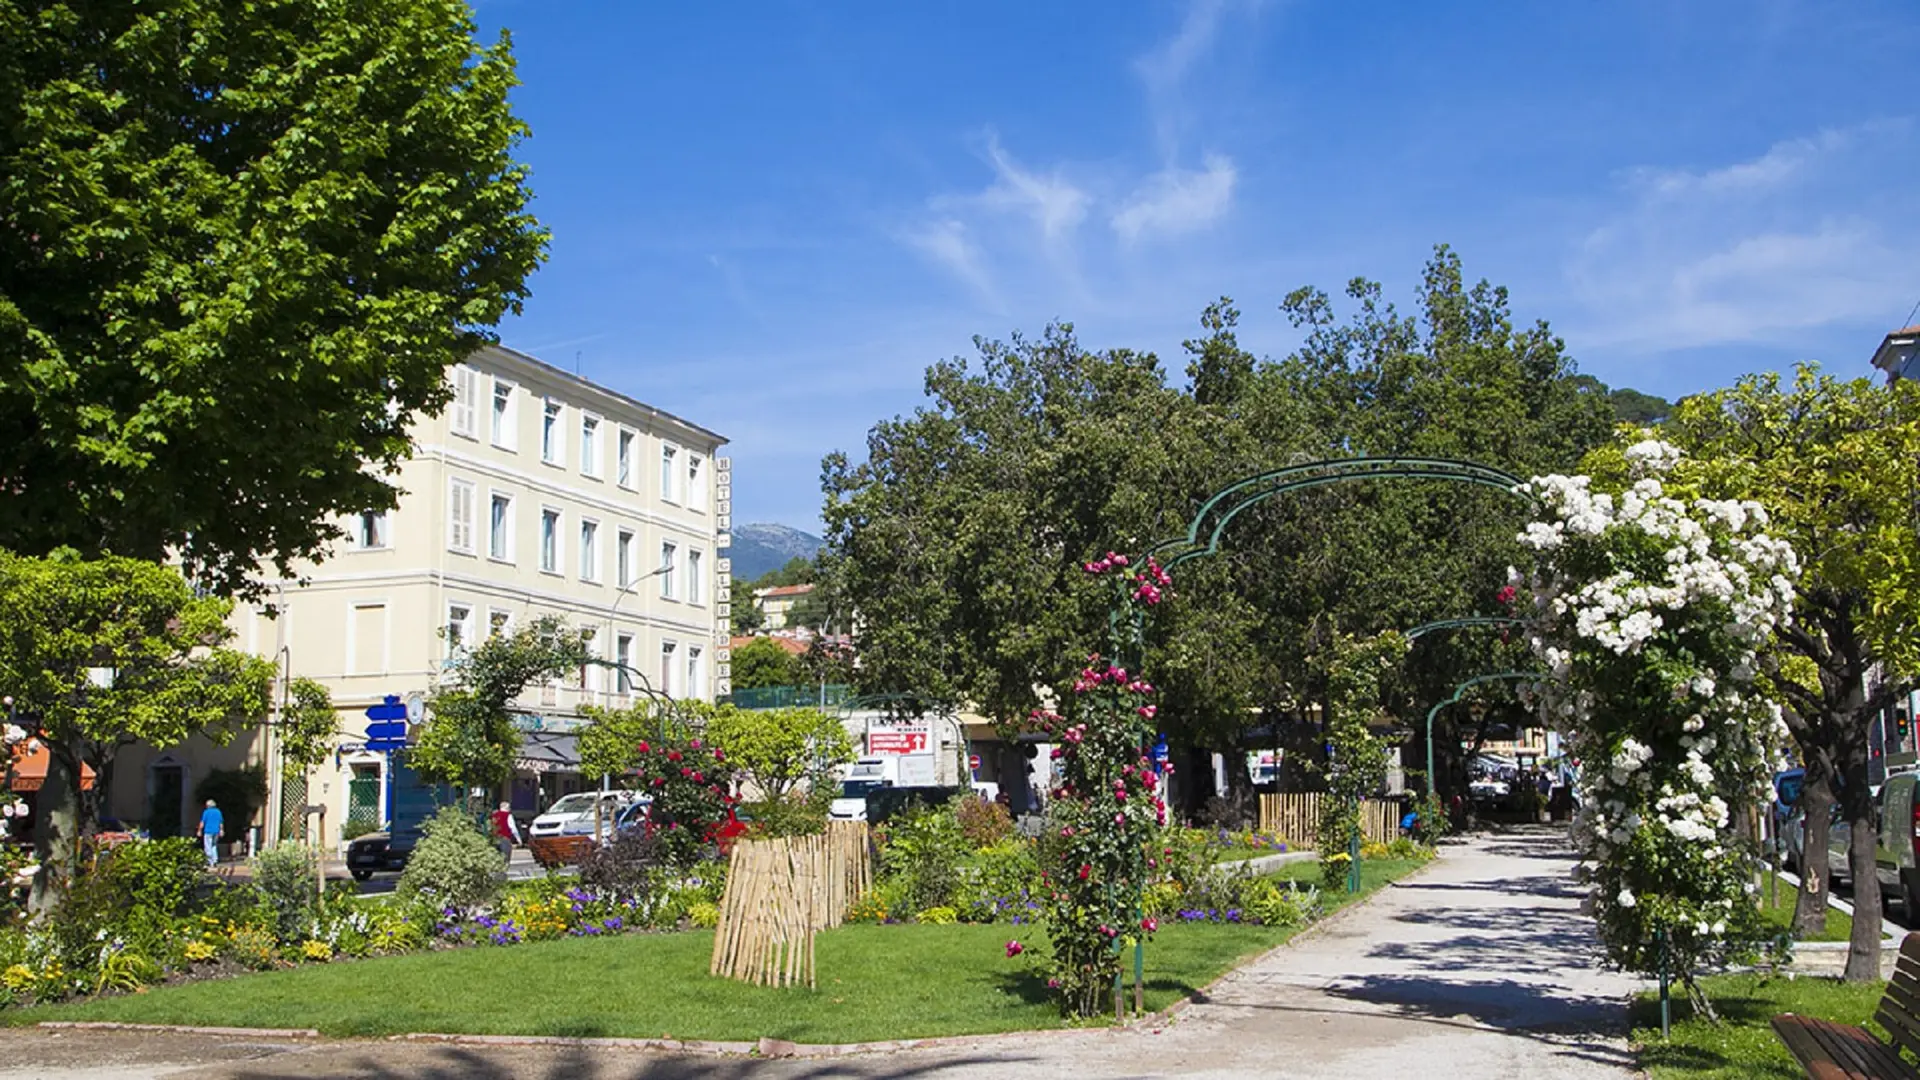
x=506 y=831
x=211 y=823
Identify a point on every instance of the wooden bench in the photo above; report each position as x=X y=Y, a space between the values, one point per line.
x=1830 y=1051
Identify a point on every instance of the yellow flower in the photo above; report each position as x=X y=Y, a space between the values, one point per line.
x=17 y=978
x=198 y=951
x=316 y=950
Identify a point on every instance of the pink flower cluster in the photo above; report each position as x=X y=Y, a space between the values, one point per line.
x=1112 y=560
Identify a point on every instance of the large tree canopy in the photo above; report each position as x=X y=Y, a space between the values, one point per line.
x=240 y=244
x=959 y=538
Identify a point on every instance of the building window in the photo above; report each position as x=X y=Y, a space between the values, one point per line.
x=461 y=416
x=696 y=482
x=623 y=655
x=667 y=473
x=499 y=623
x=459 y=626
x=696 y=673
x=500 y=527
x=550 y=541
x=589 y=679
x=668 y=653
x=460 y=516
x=623 y=463
x=669 y=553
x=694 y=587
x=623 y=558
x=589 y=551
x=551 y=450
x=506 y=435
x=590 y=446
x=370 y=531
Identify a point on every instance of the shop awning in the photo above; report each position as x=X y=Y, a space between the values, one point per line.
x=549 y=751
x=30 y=768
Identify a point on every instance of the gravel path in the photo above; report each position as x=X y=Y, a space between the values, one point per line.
x=1481 y=966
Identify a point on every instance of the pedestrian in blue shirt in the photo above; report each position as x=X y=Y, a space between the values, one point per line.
x=211 y=822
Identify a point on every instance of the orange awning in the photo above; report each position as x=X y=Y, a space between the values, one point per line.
x=30 y=768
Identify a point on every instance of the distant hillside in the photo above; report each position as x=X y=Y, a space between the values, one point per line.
x=758 y=548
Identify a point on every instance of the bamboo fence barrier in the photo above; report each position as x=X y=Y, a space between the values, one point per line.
x=1295 y=817
x=779 y=894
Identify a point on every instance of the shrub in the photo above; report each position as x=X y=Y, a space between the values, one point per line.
x=983 y=823
x=453 y=864
x=688 y=782
x=938 y=916
x=1268 y=901
x=287 y=875
x=624 y=867
x=999 y=883
x=1373 y=849
x=704 y=914
x=870 y=908
x=923 y=852
x=253 y=946
x=1404 y=848
x=799 y=814
x=1229 y=812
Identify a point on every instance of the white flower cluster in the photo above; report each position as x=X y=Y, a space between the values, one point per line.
x=1646 y=590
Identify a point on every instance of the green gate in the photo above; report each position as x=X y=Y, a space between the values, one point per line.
x=363 y=805
x=293 y=806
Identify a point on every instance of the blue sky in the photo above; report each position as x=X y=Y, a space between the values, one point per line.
x=770 y=218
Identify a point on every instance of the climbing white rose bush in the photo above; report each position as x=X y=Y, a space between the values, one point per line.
x=1649 y=612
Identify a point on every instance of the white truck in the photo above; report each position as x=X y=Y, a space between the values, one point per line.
x=875 y=771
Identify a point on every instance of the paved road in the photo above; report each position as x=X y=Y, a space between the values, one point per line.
x=1481 y=967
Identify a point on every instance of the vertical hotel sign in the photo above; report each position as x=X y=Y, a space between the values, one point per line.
x=723 y=577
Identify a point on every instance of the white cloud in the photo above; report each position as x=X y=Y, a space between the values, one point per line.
x=1054 y=203
x=947 y=242
x=1165 y=68
x=1176 y=200
x=1800 y=237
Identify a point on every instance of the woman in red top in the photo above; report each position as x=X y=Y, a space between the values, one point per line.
x=506 y=831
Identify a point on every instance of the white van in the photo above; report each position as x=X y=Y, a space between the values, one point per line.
x=881 y=770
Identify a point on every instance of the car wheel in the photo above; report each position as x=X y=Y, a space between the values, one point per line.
x=362 y=875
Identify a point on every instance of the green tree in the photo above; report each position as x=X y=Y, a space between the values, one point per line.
x=747 y=616
x=1836 y=464
x=229 y=227
x=610 y=740
x=778 y=750
x=762 y=662
x=308 y=724
x=168 y=676
x=470 y=737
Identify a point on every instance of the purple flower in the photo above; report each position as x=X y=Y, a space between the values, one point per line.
x=614 y=922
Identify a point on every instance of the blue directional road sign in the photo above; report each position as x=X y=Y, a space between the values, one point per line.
x=1160 y=753
x=389 y=728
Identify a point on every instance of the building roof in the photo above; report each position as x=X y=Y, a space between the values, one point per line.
x=1897 y=350
x=791 y=645
x=778 y=591
x=588 y=384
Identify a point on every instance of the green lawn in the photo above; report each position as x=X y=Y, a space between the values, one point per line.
x=1744 y=1046
x=1374 y=873
x=876 y=982
x=1780 y=914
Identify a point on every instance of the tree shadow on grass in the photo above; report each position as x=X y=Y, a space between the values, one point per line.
x=1031 y=988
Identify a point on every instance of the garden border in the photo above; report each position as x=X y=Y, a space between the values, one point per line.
x=765 y=1047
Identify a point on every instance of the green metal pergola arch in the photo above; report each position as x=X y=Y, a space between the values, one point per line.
x=1458 y=691
x=1210 y=522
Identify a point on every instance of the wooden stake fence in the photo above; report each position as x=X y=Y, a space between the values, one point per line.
x=1295 y=817
x=779 y=894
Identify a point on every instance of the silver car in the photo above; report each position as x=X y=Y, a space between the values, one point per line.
x=1894 y=859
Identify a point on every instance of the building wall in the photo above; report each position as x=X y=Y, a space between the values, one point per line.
x=381 y=614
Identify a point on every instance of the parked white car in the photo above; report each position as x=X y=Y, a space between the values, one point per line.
x=574 y=815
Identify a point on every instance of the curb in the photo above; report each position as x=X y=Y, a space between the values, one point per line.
x=179 y=1029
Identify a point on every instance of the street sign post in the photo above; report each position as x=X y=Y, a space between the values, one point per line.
x=387 y=732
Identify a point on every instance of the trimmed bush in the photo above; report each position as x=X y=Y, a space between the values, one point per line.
x=454 y=863
x=287 y=876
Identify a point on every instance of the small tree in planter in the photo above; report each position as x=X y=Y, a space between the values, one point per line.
x=1106 y=812
x=1651 y=611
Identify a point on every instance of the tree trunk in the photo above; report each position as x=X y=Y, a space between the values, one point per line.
x=56 y=844
x=1856 y=803
x=1816 y=802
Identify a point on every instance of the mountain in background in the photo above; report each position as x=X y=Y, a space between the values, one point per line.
x=758 y=548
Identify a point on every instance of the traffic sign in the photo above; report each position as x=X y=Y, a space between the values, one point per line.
x=388 y=731
x=1160 y=753
x=973 y=762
